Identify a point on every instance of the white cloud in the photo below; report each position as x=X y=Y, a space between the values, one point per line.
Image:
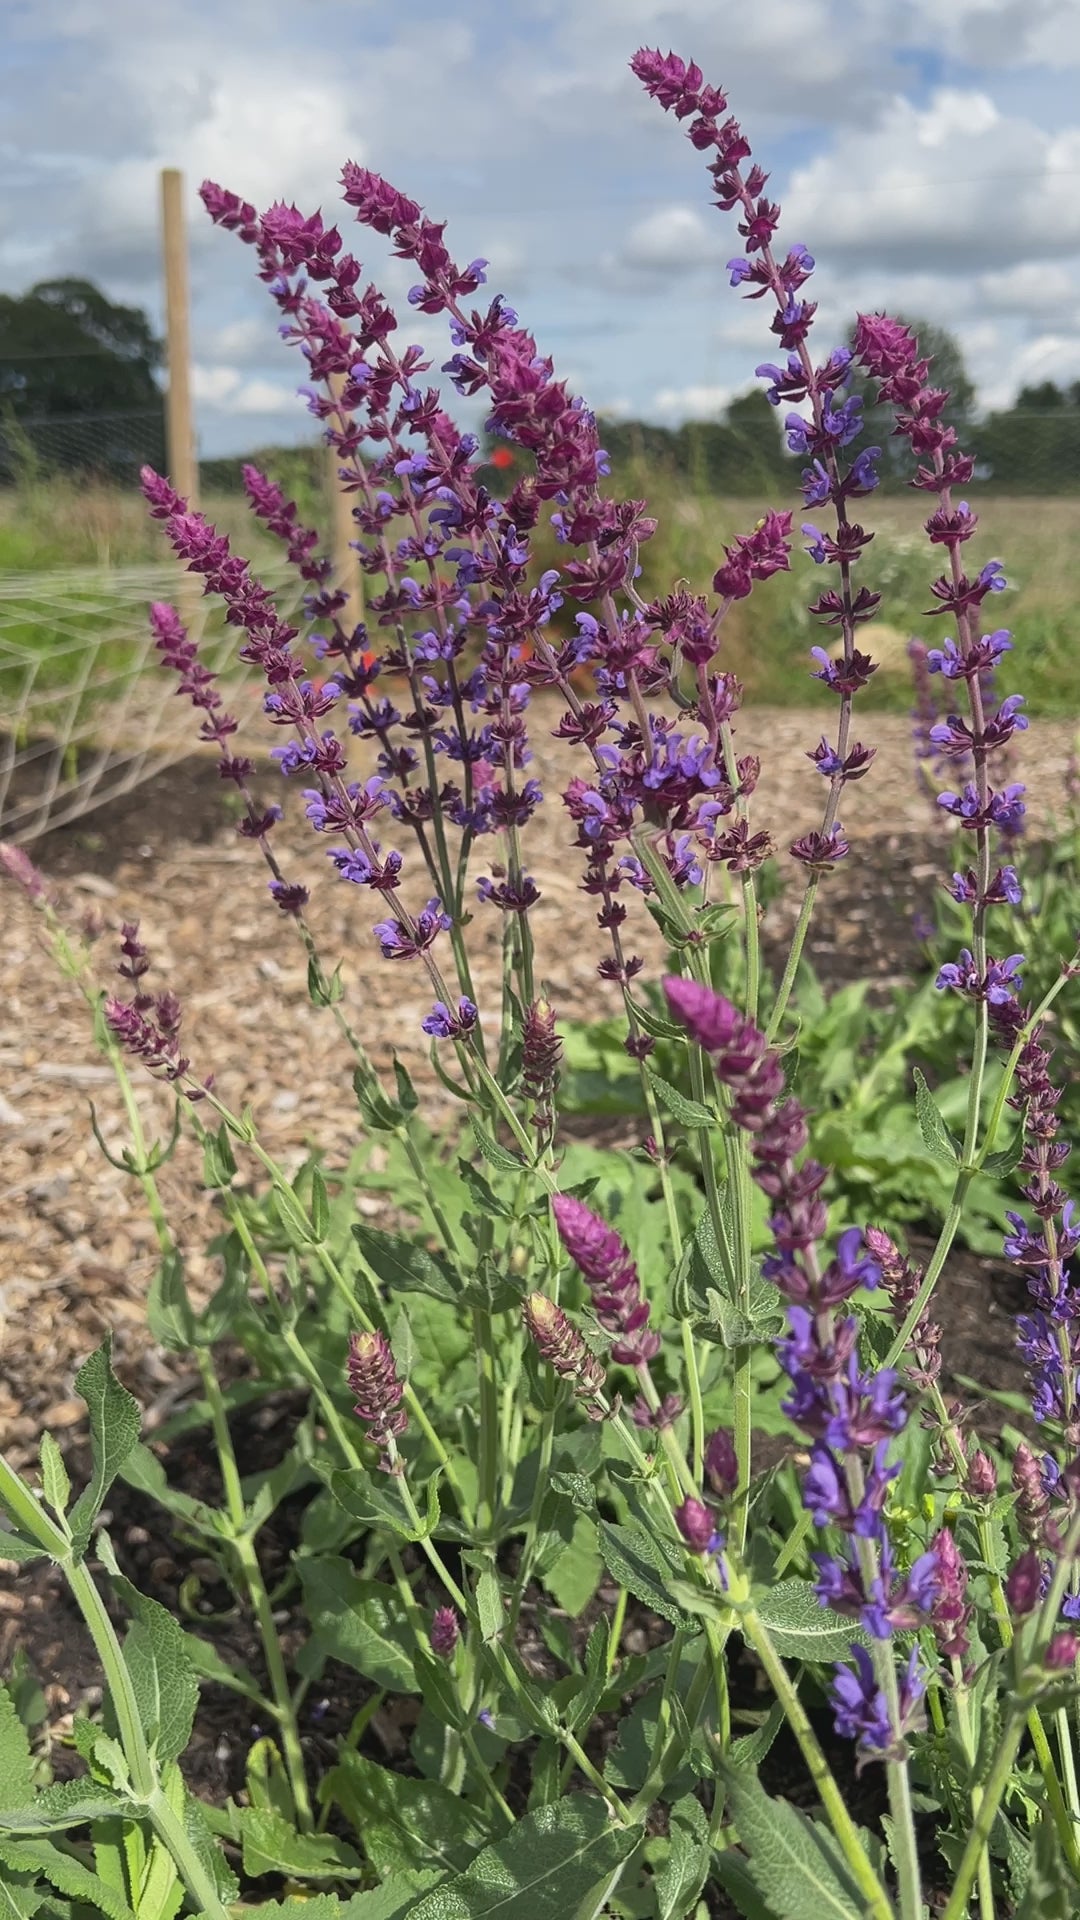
x=225 y=389
x=694 y=402
x=669 y=241
x=953 y=185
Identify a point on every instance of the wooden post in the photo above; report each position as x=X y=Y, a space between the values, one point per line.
x=179 y=424
x=343 y=531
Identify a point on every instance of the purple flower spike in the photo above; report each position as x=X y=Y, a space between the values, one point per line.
x=373 y=1378
x=609 y=1268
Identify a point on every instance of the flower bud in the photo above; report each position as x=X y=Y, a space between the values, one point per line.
x=445 y=1632
x=1024 y=1584
x=1062 y=1651
x=721 y=1466
x=695 y=1522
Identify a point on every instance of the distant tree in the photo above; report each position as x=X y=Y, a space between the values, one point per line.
x=1034 y=445
x=77 y=376
x=947 y=369
x=742 y=453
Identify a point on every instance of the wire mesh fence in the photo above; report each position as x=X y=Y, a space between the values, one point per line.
x=86 y=713
x=112 y=444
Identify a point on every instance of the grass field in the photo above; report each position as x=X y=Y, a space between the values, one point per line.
x=56 y=524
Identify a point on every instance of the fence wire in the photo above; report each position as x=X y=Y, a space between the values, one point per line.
x=86 y=710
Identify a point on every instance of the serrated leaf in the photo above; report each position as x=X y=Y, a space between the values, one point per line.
x=403 y=1266
x=689 y=1113
x=357 y=1493
x=66 y=1874
x=496 y=1156
x=16 y=1762
x=545 y=1869
x=632 y=1556
x=114 y=1429
x=404 y=1823
x=682 y=1876
x=212 y=1858
x=19 y=1900
x=937 y=1137
x=162 y=1674
x=1050 y=1892
x=408 y=1097
x=795 y=1863
x=800 y=1628
x=272 y=1845
x=358 y=1621
x=13 y=1546
x=71 y=1804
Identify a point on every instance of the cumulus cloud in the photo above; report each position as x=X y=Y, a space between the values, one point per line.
x=955 y=183
x=671 y=240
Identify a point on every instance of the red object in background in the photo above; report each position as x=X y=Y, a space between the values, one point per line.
x=502 y=457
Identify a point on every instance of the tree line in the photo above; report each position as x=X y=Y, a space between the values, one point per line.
x=80 y=392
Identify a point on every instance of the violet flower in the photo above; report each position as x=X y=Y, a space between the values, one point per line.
x=373 y=1378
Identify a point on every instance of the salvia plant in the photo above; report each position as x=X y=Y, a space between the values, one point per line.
x=649 y=1671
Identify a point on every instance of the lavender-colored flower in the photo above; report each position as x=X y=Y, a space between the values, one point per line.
x=373 y=1378
x=861 y=1711
x=441 y=1024
x=721 y=1465
x=404 y=943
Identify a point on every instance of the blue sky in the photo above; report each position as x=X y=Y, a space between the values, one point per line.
x=927 y=151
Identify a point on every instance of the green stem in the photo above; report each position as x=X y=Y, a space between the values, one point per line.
x=258 y=1598
x=982 y=1826
x=879 y=1906
x=484 y=1347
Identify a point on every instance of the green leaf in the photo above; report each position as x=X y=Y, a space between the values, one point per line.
x=586 y=1695
x=374 y=1505
x=169 y=1313
x=407 y=1095
x=701 y=1268
x=682 y=1876
x=18 y=1899
x=13 y=1546
x=1050 y=1893
x=219 y=1161
x=545 y=1869
x=404 y=1823
x=633 y=1557
x=16 y=1762
x=66 y=1874
x=496 y=1156
x=71 y=1804
x=358 y=1621
x=320 y=1205
x=379 y=1114
x=200 y=1833
x=272 y=1845
x=162 y=1673
x=55 y=1484
x=489 y=1606
x=689 y=1113
x=800 y=1628
x=394 y=1900
x=405 y=1267
x=795 y=1863
x=114 y=1429
x=573 y=1577
x=938 y=1139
